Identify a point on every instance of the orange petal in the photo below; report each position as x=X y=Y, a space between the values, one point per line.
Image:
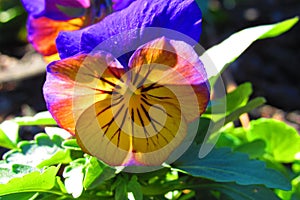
x=175 y=65
x=74 y=84
x=42 y=32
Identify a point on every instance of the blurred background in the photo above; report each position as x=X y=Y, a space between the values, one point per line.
x=271 y=65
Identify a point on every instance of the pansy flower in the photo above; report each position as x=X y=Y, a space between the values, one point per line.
x=129 y=115
x=48 y=17
x=133 y=108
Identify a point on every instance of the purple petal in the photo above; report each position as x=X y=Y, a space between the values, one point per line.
x=34 y=8
x=56 y=9
x=72 y=47
x=129 y=27
x=121 y=4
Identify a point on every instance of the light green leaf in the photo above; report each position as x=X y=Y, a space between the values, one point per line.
x=42 y=118
x=222 y=165
x=282 y=141
x=9 y=134
x=235 y=99
x=43 y=151
x=32 y=182
x=230 y=49
x=71 y=144
x=258 y=101
x=96 y=173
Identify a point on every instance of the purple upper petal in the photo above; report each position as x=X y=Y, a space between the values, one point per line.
x=35 y=7
x=56 y=9
x=128 y=27
x=121 y=4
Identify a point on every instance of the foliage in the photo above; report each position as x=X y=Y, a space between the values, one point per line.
x=246 y=163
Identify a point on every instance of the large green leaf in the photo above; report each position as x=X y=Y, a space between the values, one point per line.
x=32 y=182
x=223 y=165
x=43 y=151
x=230 y=49
x=282 y=141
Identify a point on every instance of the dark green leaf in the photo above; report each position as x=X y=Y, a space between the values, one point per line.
x=135 y=187
x=121 y=189
x=20 y=196
x=241 y=192
x=222 y=165
x=282 y=141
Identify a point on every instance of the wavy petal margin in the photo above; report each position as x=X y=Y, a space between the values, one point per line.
x=182 y=16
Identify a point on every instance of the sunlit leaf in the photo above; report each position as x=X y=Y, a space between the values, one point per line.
x=230 y=49
x=42 y=118
x=31 y=182
x=9 y=134
x=282 y=141
x=71 y=144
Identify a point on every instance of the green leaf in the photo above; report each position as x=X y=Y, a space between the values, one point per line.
x=9 y=134
x=222 y=165
x=282 y=141
x=249 y=192
x=230 y=49
x=135 y=187
x=96 y=173
x=235 y=99
x=32 y=182
x=254 y=149
x=43 y=151
x=258 y=101
x=71 y=144
x=42 y=118
x=20 y=196
x=121 y=189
